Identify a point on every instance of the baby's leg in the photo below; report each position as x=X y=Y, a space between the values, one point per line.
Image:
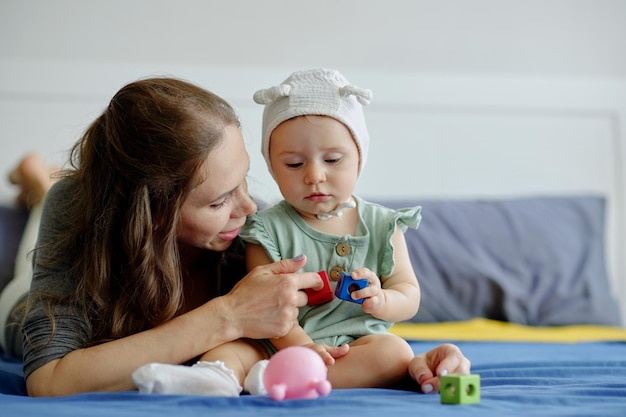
x=240 y=356
x=219 y=372
x=374 y=361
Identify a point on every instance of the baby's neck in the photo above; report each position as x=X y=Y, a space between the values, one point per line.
x=343 y=225
x=338 y=211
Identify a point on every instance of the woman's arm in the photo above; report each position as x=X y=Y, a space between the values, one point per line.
x=108 y=367
x=263 y=304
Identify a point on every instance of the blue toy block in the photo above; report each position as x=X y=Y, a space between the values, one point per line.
x=346 y=285
x=459 y=389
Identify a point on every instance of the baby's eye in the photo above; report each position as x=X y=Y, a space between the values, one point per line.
x=294 y=165
x=332 y=159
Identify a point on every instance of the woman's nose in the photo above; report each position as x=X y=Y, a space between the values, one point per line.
x=246 y=205
x=250 y=206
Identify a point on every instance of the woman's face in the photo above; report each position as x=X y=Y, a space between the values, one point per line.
x=217 y=207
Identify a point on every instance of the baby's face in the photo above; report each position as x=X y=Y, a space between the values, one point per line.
x=315 y=162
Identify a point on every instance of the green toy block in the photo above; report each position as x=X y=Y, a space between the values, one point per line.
x=459 y=389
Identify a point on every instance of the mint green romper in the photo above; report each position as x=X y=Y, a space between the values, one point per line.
x=283 y=234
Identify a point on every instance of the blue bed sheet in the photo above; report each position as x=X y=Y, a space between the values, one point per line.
x=517 y=379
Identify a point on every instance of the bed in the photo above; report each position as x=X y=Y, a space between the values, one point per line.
x=519 y=254
x=517 y=379
x=532 y=359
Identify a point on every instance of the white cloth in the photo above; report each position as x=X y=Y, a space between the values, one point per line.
x=254 y=381
x=203 y=378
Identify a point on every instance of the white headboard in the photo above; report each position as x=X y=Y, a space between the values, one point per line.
x=431 y=136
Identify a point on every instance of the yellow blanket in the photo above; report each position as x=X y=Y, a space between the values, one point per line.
x=495 y=331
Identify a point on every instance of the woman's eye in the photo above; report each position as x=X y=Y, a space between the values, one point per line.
x=219 y=205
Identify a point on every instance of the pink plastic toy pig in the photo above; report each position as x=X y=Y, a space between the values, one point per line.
x=296 y=372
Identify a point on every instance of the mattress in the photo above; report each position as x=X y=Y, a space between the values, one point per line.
x=538 y=371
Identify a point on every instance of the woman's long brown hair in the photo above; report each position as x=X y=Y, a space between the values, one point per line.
x=132 y=170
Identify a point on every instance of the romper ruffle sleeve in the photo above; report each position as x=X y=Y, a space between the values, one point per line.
x=254 y=231
x=404 y=218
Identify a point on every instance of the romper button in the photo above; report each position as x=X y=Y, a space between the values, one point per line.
x=335 y=272
x=342 y=249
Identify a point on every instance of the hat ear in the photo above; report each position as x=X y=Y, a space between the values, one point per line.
x=268 y=95
x=363 y=95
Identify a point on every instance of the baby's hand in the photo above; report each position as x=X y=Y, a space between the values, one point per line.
x=329 y=353
x=372 y=295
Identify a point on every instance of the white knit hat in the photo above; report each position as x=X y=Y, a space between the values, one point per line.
x=321 y=92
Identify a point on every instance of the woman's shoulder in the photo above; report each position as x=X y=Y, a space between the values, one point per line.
x=62 y=189
x=60 y=200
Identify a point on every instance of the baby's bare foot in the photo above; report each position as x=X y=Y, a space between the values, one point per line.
x=33 y=178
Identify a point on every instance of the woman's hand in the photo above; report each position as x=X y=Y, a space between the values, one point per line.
x=264 y=304
x=426 y=368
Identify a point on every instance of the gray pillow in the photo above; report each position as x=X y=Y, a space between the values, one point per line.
x=534 y=261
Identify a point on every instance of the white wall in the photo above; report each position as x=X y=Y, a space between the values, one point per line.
x=60 y=61
x=538 y=37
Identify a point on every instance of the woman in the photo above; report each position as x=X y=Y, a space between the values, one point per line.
x=138 y=258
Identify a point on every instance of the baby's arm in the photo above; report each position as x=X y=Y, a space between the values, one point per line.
x=298 y=337
x=255 y=256
x=400 y=295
